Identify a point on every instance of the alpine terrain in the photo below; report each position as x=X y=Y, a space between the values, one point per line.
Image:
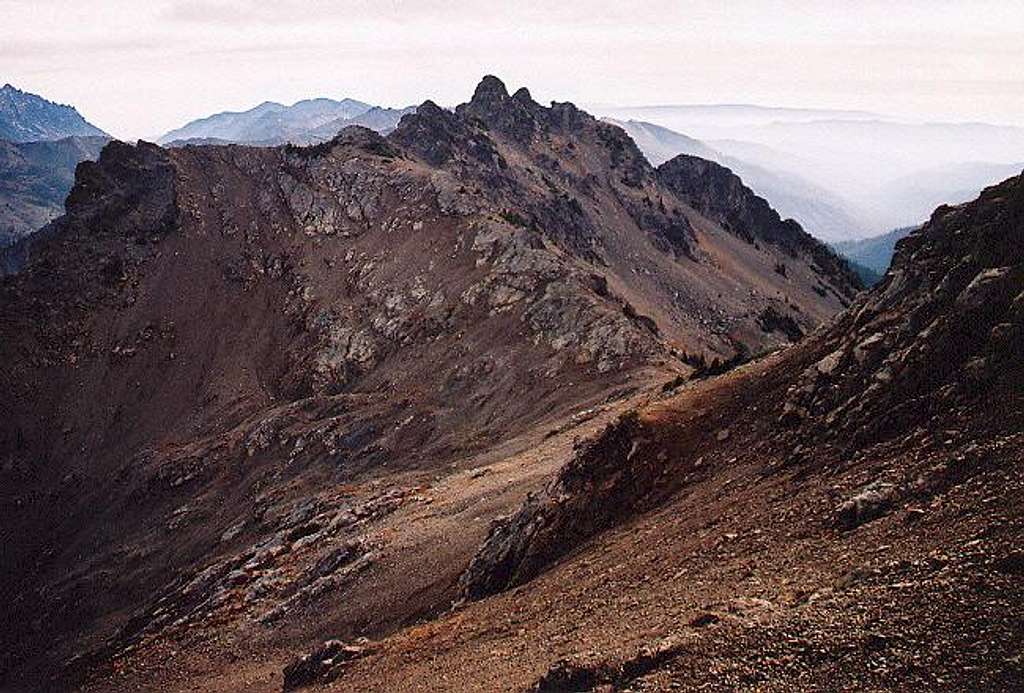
x=498 y=393
x=262 y=397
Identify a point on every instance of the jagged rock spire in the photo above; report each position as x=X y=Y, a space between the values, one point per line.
x=522 y=96
x=490 y=88
x=492 y=106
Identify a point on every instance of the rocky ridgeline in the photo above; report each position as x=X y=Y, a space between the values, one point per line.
x=946 y=326
x=719 y=194
x=362 y=186
x=26 y=117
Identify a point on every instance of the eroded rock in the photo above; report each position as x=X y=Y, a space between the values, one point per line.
x=868 y=504
x=320 y=666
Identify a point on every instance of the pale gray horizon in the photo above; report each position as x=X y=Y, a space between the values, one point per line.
x=139 y=70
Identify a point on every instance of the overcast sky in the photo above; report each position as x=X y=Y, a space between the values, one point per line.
x=139 y=68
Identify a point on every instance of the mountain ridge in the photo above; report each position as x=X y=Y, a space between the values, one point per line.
x=784 y=500
x=827 y=216
x=27 y=117
x=381 y=317
x=269 y=121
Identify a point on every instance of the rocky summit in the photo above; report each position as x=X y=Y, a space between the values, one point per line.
x=491 y=403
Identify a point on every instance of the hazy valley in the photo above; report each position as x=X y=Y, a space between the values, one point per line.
x=856 y=174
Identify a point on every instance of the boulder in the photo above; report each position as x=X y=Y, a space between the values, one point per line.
x=871 y=502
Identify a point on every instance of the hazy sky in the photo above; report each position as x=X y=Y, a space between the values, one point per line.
x=138 y=68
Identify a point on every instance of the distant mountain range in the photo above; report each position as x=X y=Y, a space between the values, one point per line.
x=884 y=173
x=269 y=124
x=26 y=117
x=382 y=120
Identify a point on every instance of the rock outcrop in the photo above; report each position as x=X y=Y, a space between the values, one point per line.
x=944 y=327
x=321 y=666
x=589 y=494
